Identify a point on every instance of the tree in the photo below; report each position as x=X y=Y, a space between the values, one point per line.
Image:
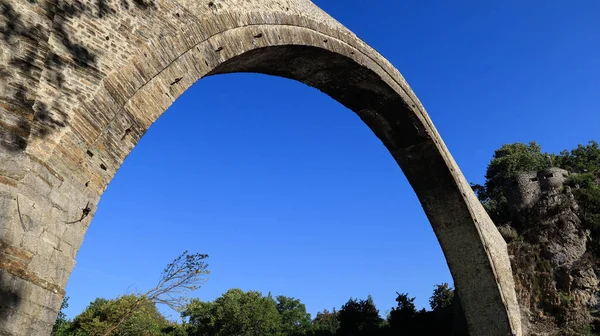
x=62 y=325
x=445 y=318
x=442 y=297
x=199 y=316
x=326 y=323
x=136 y=314
x=183 y=275
x=175 y=329
x=295 y=321
x=583 y=159
x=103 y=317
x=401 y=318
x=234 y=313
x=359 y=317
x=446 y=312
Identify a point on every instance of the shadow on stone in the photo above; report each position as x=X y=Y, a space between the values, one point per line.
x=10 y=300
x=27 y=42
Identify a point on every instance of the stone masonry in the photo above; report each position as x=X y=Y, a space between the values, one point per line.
x=82 y=80
x=527 y=188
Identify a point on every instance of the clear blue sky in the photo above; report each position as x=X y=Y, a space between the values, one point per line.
x=289 y=192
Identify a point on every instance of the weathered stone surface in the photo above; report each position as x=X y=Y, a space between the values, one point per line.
x=555 y=279
x=80 y=83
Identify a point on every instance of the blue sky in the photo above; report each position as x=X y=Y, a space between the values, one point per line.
x=289 y=192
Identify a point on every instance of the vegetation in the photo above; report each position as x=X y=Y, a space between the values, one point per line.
x=136 y=314
x=251 y=313
x=295 y=321
x=234 y=313
x=359 y=317
x=326 y=323
x=62 y=325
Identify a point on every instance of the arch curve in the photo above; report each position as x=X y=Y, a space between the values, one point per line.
x=286 y=38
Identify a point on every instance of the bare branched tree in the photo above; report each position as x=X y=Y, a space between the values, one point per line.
x=184 y=275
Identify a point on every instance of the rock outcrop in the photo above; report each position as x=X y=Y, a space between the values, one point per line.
x=555 y=275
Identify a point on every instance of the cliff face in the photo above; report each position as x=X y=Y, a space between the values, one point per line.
x=557 y=285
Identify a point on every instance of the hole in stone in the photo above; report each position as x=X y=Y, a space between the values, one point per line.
x=565 y=175
x=533 y=179
x=211 y=4
x=107 y=38
x=102 y=166
x=259 y=35
x=87 y=183
x=127 y=131
x=206 y=62
x=177 y=80
x=177 y=14
x=218 y=49
x=90 y=154
x=325 y=40
x=549 y=175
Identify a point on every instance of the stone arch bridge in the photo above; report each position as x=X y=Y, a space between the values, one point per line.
x=82 y=80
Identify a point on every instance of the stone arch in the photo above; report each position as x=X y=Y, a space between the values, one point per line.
x=191 y=40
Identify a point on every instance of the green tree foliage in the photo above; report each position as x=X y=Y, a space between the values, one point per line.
x=358 y=318
x=326 y=323
x=62 y=325
x=401 y=319
x=295 y=321
x=442 y=297
x=136 y=314
x=242 y=313
x=234 y=313
x=105 y=316
x=175 y=329
x=583 y=159
x=445 y=319
x=585 y=162
x=199 y=315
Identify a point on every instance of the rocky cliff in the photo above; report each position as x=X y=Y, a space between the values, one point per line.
x=555 y=275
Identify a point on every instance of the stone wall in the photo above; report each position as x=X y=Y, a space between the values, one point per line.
x=526 y=188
